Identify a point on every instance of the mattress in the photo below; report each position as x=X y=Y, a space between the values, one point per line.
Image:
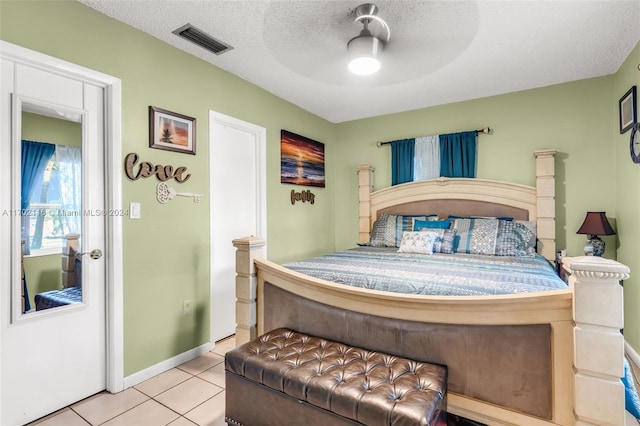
x=54 y=298
x=383 y=268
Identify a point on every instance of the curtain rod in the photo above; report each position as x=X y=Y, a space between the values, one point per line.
x=485 y=130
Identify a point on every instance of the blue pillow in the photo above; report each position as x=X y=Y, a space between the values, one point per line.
x=631 y=399
x=418 y=225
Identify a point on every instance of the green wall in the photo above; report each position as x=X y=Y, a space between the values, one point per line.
x=166 y=253
x=40 y=128
x=43 y=273
x=571 y=118
x=627 y=191
x=166 y=258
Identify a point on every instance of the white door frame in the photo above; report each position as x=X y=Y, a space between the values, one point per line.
x=260 y=133
x=113 y=191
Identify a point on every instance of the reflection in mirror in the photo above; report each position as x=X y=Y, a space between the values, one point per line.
x=50 y=206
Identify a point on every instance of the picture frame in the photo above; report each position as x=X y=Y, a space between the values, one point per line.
x=627 y=110
x=171 y=131
x=301 y=160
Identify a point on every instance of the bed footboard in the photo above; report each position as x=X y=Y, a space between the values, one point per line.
x=564 y=348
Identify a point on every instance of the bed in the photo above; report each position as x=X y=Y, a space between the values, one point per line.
x=553 y=356
x=457 y=274
x=55 y=298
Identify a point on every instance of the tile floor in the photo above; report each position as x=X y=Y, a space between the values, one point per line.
x=190 y=394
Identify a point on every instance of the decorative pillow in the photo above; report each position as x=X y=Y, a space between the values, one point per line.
x=477 y=236
x=495 y=237
x=378 y=236
x=388 y=229
x=446 y=241
x=419 y=225
x=417 y=242
x=533 y=227
x=513 y=240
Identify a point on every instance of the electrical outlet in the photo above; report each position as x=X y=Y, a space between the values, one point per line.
x=187 y=307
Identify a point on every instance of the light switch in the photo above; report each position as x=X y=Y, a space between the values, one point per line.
x=134 y=210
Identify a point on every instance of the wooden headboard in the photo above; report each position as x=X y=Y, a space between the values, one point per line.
x=466 y=197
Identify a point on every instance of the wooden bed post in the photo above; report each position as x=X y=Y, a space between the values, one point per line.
x=546 y=202
x=599 y=346
x=247 y=249
x=365 y=186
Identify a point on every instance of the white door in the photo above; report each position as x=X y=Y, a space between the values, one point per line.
x=52 y=357
x=238 y=208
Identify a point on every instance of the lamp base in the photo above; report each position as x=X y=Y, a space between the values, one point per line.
x=594 y=246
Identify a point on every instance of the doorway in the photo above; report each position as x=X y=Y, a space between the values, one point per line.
x=238 y=207
x=55 y=354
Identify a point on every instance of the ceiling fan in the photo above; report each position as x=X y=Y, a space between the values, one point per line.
x=365 y=49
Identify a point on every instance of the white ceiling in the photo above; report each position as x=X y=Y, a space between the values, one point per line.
x=440 y=51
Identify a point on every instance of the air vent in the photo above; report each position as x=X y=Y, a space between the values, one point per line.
x=202 y=39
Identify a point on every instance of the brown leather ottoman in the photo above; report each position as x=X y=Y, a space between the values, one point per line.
x=288 y=378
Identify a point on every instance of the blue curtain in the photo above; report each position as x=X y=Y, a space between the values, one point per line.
x=35 y=156
x=402 y=161
x=458 y=155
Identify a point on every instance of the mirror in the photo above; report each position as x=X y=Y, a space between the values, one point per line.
x=48 y=155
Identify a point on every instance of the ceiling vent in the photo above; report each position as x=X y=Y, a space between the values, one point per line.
x=202 y=39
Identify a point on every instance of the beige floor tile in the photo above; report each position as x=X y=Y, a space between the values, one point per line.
x=105 y=406
x=188 y=395
x=182 y=421
x=225 y=345
x=65 y=417
x=201 y=363
x=162 y=382
x=146 y=414
x=209 y=413
x=214 y=375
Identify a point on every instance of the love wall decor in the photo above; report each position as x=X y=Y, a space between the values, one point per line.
x=145 y=169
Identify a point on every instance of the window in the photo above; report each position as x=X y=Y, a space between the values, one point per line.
x=46 y=229
x=55 y=203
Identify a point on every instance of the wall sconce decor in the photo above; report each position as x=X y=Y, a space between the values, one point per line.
x=595 y=223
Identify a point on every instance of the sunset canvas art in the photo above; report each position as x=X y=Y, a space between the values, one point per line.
x=301 y=160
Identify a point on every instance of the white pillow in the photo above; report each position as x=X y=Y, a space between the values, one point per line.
x=420 y=242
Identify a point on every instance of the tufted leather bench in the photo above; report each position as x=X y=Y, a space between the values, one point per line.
x=288 y=378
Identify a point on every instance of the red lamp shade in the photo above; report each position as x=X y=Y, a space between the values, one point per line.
x=596 y=223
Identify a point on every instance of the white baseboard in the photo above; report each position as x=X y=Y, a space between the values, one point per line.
x=165 y=365
x=631 y=353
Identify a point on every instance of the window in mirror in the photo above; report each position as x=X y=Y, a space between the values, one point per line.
x=55 y=202
x=51 y=189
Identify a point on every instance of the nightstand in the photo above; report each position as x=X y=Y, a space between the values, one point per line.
x=560 y=270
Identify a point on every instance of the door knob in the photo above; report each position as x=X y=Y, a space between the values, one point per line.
x=94 y=254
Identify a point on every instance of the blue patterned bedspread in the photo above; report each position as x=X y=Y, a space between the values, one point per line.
x=53 y=298
x=382 y=268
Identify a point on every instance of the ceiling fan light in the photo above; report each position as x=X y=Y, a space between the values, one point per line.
x=363 y=54
x=364 y=66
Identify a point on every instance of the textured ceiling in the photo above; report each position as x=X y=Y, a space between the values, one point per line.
x=440 y=51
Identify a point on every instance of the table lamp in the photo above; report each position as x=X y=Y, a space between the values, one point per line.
x=595 y=223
